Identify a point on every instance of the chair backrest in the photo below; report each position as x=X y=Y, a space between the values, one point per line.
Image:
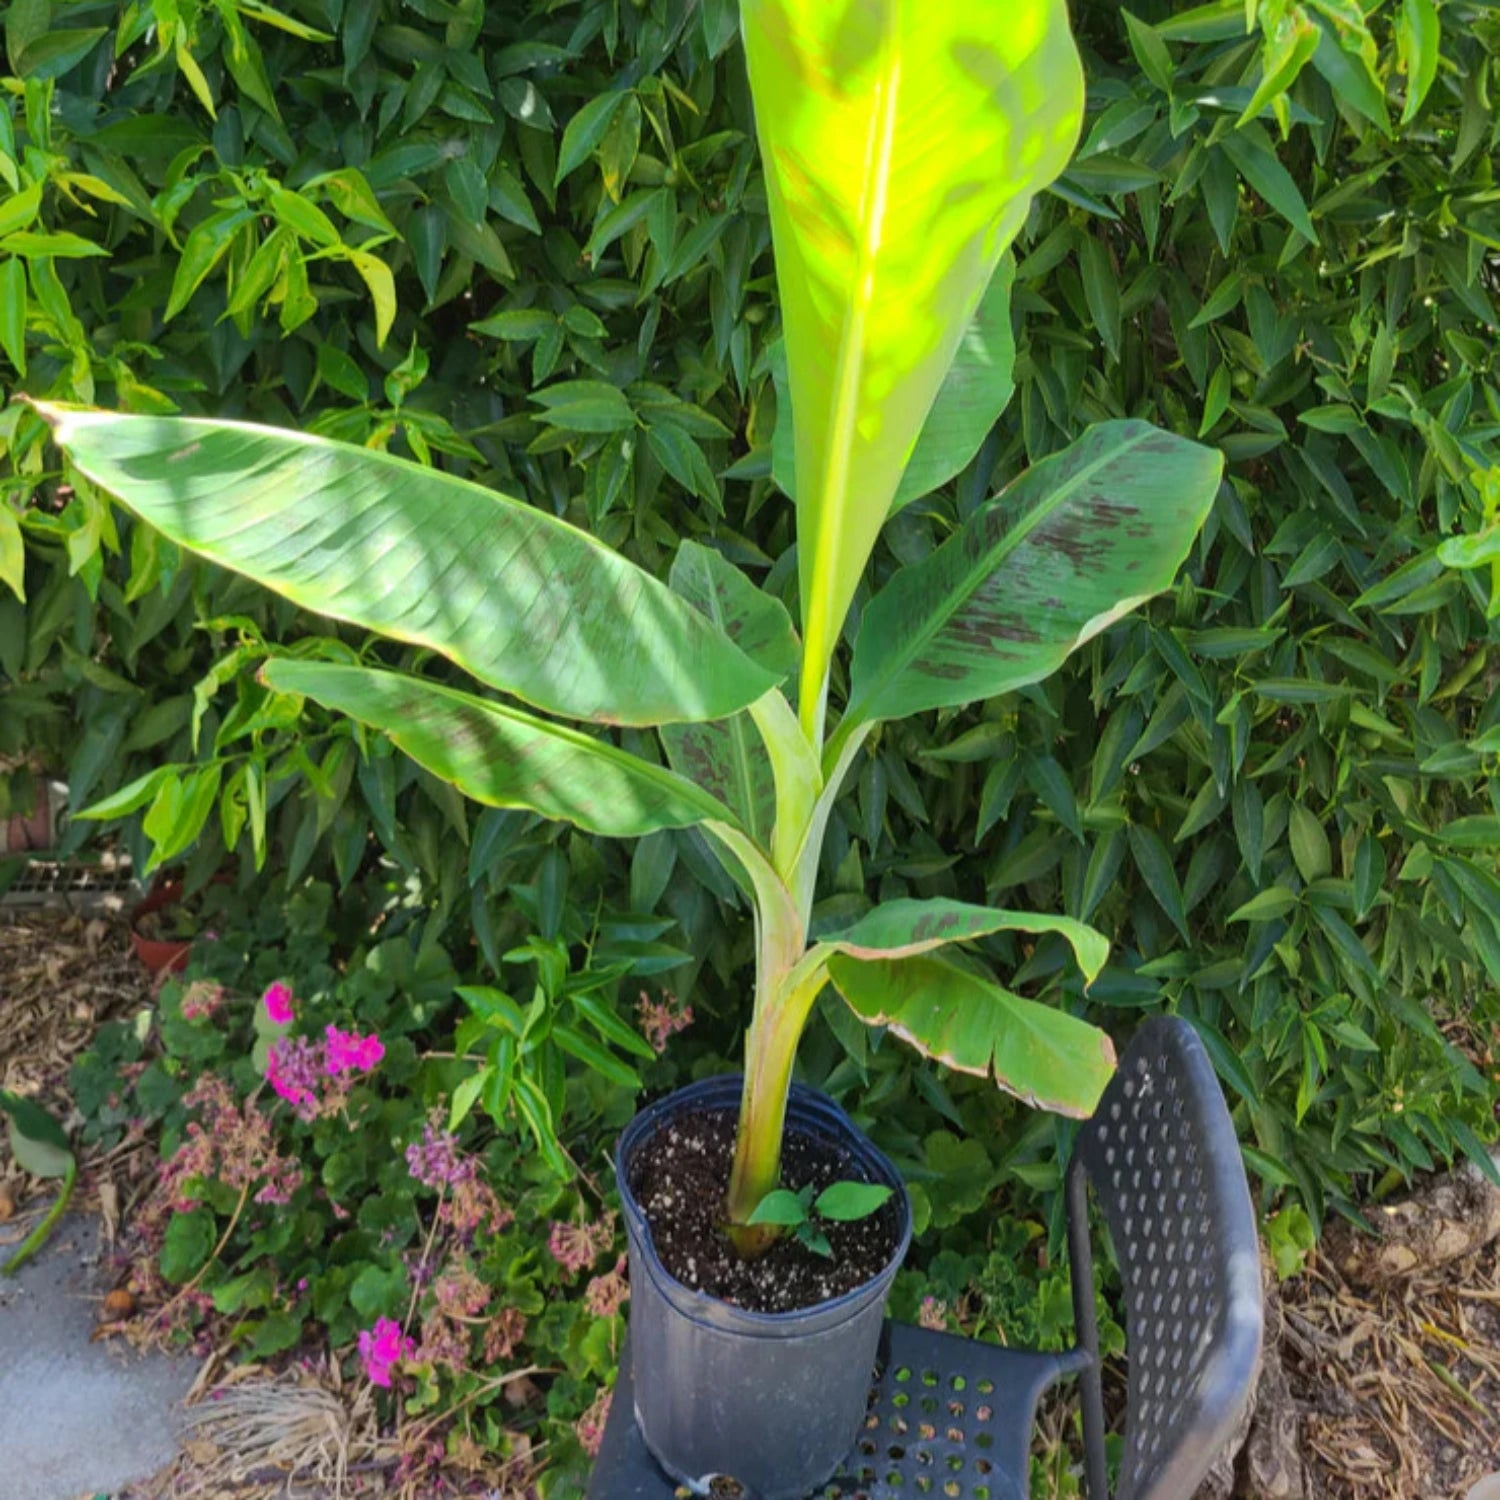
x=1161 y=1154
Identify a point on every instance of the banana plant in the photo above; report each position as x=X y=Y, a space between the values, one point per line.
x=903 y=143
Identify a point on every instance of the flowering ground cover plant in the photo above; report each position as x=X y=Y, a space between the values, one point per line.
x=902 y=150
x=310 y=1196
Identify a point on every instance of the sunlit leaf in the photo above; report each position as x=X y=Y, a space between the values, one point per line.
x=974 y=392
x=904 y=928
x=902 y=144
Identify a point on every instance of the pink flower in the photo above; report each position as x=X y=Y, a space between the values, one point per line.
x=435 y=1160
x=382 y=1348
x=278 y=1003
x=933 y=1314
x=607 y=1294
x=577 y=1246
x=283 y=1178
x=348 y=1051
x=291 y=1069
x=201 y=999
x=507 y=1329
x=662 y=1018
x=590 y=1426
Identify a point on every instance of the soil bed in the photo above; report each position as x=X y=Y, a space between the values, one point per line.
x=680 y=1175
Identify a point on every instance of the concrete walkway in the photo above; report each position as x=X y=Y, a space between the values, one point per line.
x=77 y=1419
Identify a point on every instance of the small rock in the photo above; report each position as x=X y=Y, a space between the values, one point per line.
x=117 y=1305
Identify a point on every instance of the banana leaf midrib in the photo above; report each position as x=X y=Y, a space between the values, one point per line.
x=738 y=725
x=830 y=492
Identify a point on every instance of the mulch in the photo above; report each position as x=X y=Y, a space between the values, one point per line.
x=62 y=976
x=1399 y=1388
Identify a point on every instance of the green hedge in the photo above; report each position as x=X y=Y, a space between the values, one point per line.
x=397 y=222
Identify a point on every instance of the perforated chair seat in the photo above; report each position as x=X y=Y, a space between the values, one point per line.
x=948 y=1417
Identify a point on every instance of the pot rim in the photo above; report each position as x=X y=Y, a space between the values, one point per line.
x=703 y=1306
x=164 y=892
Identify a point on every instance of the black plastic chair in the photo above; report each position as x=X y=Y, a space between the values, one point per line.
x=952 y=1418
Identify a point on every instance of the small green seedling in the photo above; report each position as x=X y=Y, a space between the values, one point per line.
x=839 y=1202
x=1290 y=1238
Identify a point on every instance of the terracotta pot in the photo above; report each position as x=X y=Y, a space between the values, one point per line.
x=30 y=833
x=35 y=832
x=159 y=955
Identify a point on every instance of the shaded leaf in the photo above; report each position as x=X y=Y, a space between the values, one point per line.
x=1076 y=542
x=501 y=756
x=586 y=129
x=1042 y=1055
x=727 y=757
x=1256 y=162
x=520 y=599
x=1157 y=870
x=1265 y=906
x=901 y=929
x=1310 y=849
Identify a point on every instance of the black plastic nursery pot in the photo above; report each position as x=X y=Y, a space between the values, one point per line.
x=773 y=1400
